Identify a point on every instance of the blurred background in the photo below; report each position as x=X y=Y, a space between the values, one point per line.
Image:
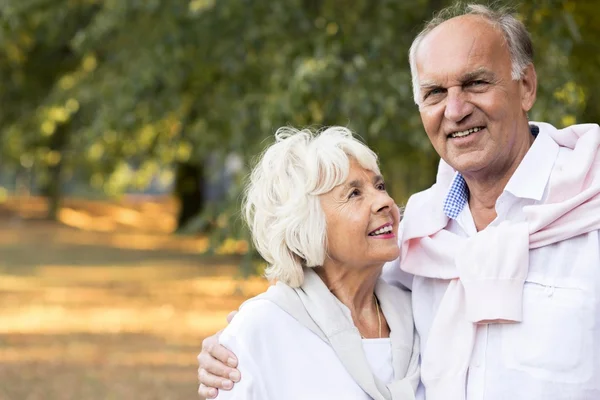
x=127 y=128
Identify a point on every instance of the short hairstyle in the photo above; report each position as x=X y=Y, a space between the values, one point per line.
x=281 y=202
x=516 y=35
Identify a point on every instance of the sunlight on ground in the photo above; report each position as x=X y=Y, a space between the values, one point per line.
x=108 y=305
x=147 y=214
x=144 y=319
x=164 y=301
x=147 y=305
x=123 y=217
x=141 y=241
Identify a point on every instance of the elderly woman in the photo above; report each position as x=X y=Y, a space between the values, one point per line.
x=320 y=216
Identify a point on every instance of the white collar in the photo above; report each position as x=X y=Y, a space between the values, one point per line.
x=531 y=176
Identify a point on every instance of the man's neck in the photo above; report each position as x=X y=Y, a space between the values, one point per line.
x=482 y=202
x=485 y=188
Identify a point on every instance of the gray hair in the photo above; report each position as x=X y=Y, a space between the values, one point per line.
x=516 y=35
x=281 y=203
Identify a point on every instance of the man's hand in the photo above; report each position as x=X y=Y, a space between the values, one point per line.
x=216 y=366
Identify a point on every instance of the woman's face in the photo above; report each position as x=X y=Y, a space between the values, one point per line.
x=362 y=221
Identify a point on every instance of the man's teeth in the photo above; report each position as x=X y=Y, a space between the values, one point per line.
x=465 y=133
x=381 y=231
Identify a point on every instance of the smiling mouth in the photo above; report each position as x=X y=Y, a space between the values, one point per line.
x=465 y=133
x=382 y=231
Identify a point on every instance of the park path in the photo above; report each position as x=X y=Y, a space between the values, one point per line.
x=92 y=314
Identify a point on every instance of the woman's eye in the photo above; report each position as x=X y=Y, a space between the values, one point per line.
x=354 y=193
x=381 y=186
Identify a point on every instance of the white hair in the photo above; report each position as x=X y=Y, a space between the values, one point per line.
x=281 y=203
x=517 y=38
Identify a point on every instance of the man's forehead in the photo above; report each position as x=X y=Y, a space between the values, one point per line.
x=460 y=33
x=460 y=46
x=473 y=24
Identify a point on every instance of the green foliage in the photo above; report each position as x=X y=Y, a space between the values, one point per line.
x=565 y=35
x=135 y=86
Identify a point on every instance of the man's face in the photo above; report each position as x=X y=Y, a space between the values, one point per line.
x=472 y=110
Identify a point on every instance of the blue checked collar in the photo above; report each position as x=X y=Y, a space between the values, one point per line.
x=458 y=195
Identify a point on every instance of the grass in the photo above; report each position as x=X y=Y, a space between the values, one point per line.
x=107 y=304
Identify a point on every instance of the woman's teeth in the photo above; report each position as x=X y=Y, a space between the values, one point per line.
x=465 y=133
x=381 y=231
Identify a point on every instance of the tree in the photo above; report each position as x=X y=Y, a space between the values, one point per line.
x=35 y=57
x=118 y=90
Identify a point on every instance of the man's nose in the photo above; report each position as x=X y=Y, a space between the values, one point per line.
x=457 y=105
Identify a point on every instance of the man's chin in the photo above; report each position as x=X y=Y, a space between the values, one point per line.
x=471 y=162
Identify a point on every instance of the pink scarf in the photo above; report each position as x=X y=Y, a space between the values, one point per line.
x=487 y=271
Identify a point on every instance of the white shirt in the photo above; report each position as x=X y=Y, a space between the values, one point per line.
x=555 y=352
x=281 y=359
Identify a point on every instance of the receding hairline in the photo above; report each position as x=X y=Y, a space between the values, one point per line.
x=454 y=20
x=517 y=38
x=468 y=75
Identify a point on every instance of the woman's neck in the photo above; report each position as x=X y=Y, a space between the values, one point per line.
x=355 y=289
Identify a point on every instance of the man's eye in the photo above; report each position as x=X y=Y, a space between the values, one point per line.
x=477 y=82
x=433 y=92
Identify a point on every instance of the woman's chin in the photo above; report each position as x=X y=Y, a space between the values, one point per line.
x=388 y=256
x=394 y=253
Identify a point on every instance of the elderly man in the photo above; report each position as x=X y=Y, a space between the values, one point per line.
x=505 y=247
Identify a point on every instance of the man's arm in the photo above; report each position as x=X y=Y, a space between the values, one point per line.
x=216 y=366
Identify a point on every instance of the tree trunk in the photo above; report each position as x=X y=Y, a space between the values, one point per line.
x=189 y=188
x=53 y=189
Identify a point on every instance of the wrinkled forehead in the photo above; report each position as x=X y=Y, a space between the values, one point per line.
x=334 y=172
x=460 y=45
x=356 y=167
x=358 y=176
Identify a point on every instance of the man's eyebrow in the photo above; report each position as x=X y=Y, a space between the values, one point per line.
x=429 y=85
x=477 y=74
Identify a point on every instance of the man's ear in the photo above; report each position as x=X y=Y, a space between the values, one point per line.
x=528 y=88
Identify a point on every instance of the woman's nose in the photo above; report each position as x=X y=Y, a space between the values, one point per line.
x=382 y=202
